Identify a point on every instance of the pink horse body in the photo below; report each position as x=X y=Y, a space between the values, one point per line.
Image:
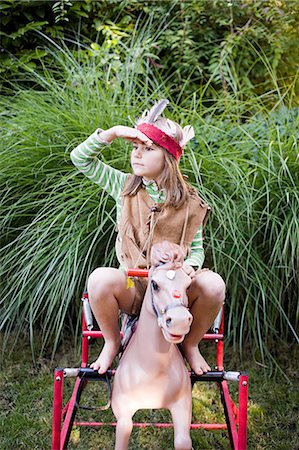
x=152 y=373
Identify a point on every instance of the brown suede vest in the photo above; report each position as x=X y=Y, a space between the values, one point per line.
x=144 y=223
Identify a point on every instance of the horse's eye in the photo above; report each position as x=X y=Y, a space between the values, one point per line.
x=155 y=286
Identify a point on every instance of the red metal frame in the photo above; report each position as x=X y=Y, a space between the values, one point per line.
x=57 y=408
x=64 y=418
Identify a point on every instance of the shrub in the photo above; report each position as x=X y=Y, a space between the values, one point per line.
x=196 y=43
x=57 y=226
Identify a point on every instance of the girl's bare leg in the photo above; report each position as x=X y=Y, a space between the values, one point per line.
x=206 y=296
x=107 y=295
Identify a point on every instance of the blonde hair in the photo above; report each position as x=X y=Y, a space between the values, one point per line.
x=177 y=189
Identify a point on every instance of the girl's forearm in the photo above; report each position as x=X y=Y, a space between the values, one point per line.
x=197 y=255
x=196 y=259
x=85 y=153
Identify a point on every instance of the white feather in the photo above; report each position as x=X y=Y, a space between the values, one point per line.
x=188 y=134
x=155 y=111
x=141 y=119
x=172 y=127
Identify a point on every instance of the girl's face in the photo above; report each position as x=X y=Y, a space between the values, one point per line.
x=147 y=162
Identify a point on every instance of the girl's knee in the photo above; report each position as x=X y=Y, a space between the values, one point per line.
x=103 y=279
x=212 y=286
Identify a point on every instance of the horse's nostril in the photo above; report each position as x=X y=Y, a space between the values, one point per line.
x=168 y=321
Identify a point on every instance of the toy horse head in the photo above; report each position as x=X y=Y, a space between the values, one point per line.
x=168 y=284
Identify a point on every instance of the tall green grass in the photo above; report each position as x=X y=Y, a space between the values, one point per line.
x=56 y=226
x=250 y=176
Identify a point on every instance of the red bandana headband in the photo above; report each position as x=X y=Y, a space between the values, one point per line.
x=159 y=137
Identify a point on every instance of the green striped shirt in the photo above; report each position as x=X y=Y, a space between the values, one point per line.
x=111 y=180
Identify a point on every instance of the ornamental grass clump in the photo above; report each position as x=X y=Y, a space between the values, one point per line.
x=57 y=226
x=251 y=178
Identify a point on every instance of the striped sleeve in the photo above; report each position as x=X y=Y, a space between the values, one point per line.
x=85 y=158
x=197 y=255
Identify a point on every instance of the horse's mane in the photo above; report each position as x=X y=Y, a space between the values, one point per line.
x=166 y=253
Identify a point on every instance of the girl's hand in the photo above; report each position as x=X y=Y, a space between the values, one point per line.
x=188 y=270
x=128 y=133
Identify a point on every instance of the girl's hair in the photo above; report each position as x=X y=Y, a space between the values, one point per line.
x=177 y=189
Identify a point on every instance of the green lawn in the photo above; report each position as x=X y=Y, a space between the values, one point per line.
x=26 y=405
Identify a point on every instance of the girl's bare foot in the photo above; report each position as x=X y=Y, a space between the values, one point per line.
x=195 y=359
x=106 y=357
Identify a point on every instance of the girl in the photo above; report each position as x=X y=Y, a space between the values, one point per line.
x=154 y=203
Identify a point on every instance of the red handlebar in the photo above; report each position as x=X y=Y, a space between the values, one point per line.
x=137 y=272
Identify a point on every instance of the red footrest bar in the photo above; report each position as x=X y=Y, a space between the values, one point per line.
x=211 y=376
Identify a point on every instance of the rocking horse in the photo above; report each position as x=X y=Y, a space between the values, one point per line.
x=159 y=377
x=161 y=380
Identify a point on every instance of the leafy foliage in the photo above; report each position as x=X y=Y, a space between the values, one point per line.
x=195 y=42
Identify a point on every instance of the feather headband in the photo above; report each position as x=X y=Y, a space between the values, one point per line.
x=147 y=127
